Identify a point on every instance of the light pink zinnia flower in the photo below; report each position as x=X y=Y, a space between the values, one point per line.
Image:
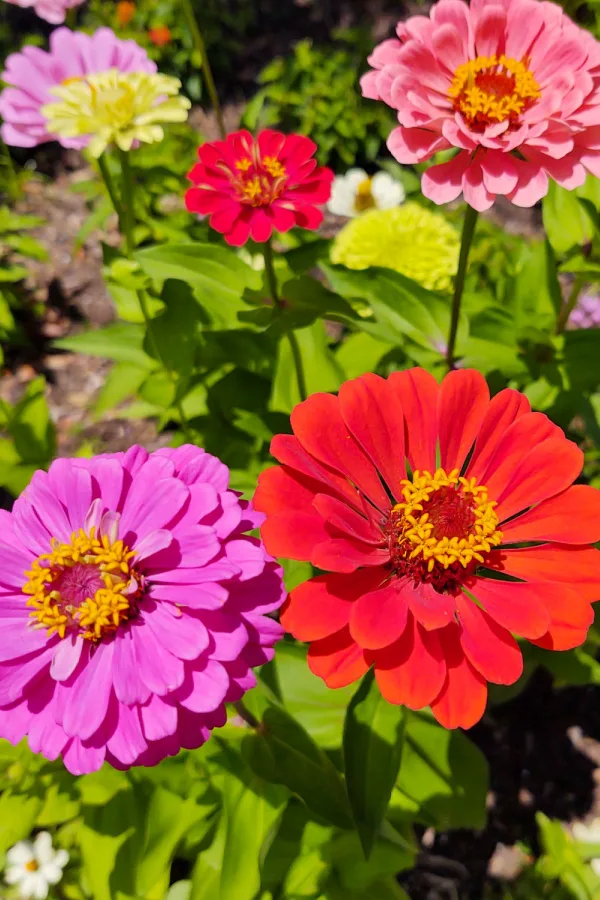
x=32 y=73
x=132 y=606
x=514 y=85
x=53 y=11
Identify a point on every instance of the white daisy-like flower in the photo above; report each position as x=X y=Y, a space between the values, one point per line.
x=34 y=866
x=588 y=834
x=356 y=192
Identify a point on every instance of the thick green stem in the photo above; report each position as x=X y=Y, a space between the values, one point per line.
x=468 y=231
x=570 y=304
x=294 y=345
x=200 y=46
x=126 y=213
x=110 y=187
x=245 y=714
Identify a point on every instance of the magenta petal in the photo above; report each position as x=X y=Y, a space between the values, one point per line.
x=206 y=689
x=128 y=741
x=127 y=683
x=185 y=637
x=81 y=759
x=94 y=683
x=152 y=543
x=159 y=719
x=66 y=657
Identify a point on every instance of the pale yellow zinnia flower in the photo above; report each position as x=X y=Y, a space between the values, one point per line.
x=412 y=240
x=116 y=108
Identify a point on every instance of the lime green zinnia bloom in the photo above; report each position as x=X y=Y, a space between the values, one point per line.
x=410 y=239
x=116 y=108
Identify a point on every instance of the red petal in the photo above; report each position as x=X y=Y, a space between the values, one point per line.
x=517 y=606
x=542 y=472
x=570 y=617
x=572 y=517
x=431 y=609
x=293 y=535
x=322 y=606
x=412 y=670
x=489 y=647
x=280 y=490
x=512 y=447
x=379 y=617
x=318 y=425
x=461 y=702
x=504 y=409
x=418 y=393
x=373 y=413
x=578 y=567
x=345 y=555
x=347 y=520
x=338 y=660
x=463 y=401
x=288 y=450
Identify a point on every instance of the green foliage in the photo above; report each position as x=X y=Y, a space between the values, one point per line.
x=314 y=91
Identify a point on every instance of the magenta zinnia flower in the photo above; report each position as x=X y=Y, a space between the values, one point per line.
x=133 y=607
x=32 y=73
x=53 y=11
x=513 y=85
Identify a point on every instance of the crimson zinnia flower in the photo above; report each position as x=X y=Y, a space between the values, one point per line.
x=447 y=523
x=251 y=187
x=513 y=85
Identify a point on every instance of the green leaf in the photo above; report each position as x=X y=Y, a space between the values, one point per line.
x=360 y=353
x=322 y=372
x=217 y=276
x=18 y=813
x=285 y=753
x=30 y=426
x=565 y=221
x=392 y=853
x=123 y=343
x=122 y=382
x=109 y=849
x=181 y=890
x=443 y=779
x=307 y=698
x=373 y=737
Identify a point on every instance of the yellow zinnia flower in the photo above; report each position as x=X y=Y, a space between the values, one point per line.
x=116 y=108
x=412 y=240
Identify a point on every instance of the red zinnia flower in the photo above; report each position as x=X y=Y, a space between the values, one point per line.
x=251 y=187
x=431 y=573
x=160 y=35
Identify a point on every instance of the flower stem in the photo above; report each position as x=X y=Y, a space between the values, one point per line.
x=125 y=211
x=569 y=306
x=294 y=345
x=110 y=187
x=468 y=231
x=198 y=40
x=245 y=714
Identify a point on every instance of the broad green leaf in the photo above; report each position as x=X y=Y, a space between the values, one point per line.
x=360 y=353
x=123 y=343
x=30 y=425
x=373 y=737
x=217 y=276
x=578 y=666
x=565 y=221
x=285 y=753
x=122 y=382
x=61 y=800
x=322 y=372
x=18 y=813
x=307 y=698
x=181 y=890
x=443 y=778
x=391 y=853
x=175 y=329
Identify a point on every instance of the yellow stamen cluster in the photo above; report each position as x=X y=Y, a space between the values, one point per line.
x=97 y=615
x=419 y=526
x=364 y=199
x=492 y=88
x=115 y=107
x=274 y=167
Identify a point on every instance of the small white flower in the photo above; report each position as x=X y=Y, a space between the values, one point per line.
x=356 y=192
x=33 y=867
x=588 y=834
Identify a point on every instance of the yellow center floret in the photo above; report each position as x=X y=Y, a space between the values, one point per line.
x=446 y=519
x=87 y=587
x=364 y=199
x=116 y=108
x=491 y=89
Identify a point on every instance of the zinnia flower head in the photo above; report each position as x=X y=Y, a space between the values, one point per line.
x=513 y=85
x=33 y=866
x=125 y=12
x=32 y=73
x=587 y=312
x=53 y=11
x=445 y=523
x=356 y=192
x=133 y=607
x=413 y=240
x=251 y=187
x=116 y=108
x=160 y=35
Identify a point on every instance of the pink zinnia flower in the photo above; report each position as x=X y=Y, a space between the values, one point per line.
x=53 y=11
x=32 y=73
x=133 y=607
x=513 y=85
x=251 y=187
